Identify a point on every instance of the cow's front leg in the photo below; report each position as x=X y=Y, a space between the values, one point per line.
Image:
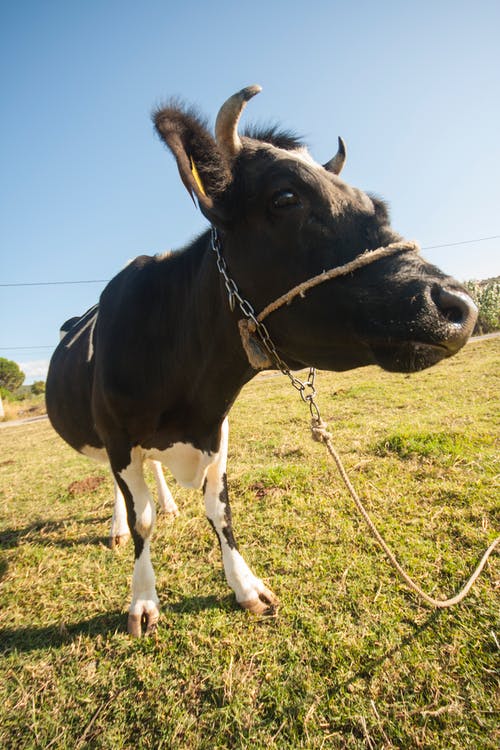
x=250 y=591
x=143 y=612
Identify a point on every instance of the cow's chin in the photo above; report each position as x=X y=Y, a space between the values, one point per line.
x=408 y=356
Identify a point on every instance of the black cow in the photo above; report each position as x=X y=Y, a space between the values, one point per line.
x=157 y=366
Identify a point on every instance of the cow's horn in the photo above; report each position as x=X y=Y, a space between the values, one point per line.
x=226 y=125
x=336 y=164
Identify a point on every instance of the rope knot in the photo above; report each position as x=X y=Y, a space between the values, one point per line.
x=319 y=430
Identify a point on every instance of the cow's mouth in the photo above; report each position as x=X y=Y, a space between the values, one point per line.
x=408 y=356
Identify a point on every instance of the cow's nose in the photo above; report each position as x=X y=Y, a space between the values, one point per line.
x=459 y=312
x=457 y=307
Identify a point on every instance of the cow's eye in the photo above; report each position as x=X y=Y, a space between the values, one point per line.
x=285 y=199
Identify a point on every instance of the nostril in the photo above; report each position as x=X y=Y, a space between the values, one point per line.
x=456 y=307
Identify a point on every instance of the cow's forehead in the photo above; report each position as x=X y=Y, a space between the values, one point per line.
x=301 y=154
x=344 y=192
x=275 y=153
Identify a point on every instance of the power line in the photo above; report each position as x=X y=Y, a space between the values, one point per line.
x=464 y=242
x=53 y=283
x=26 y=348
x=105 y=281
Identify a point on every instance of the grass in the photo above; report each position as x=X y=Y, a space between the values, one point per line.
x=351 y=660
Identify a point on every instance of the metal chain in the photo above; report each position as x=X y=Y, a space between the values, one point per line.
x=305 y=388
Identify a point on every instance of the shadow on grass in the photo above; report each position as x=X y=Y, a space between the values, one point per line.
x=24 y=640
x=54 y=636
x=370 y=665
x=42 y=532
x=194 y=605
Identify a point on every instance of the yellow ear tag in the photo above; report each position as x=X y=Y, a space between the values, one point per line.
x=197 y=177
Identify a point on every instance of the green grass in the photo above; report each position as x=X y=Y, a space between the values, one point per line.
x=351 y=661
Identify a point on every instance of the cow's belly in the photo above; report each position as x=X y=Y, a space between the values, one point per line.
x=96 y=454
x=188 y=464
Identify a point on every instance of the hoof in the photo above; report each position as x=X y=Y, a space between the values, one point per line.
x=145 y=623
x=266 y=603
x=118 y=541
x=170 y=510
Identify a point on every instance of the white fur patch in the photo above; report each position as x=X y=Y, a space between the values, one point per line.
x=165 y=499
x=96 y=454
x=119 y=522
x=240 y=578
x=90 y=352
x=302 y=154
x=86 y=321
x=188 y=464
x=133 y=476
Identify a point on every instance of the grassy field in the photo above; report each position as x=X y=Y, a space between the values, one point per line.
x=350 y=661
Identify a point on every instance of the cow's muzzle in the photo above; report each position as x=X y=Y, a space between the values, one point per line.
x=445 y=323
x=458 y=315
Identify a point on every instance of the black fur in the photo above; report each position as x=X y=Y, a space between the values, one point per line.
x=191 y=129
x=285 y=139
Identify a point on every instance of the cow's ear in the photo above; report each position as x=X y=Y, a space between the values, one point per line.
x=204 y=170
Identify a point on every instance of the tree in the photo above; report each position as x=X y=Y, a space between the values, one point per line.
x=38 y=387
x=11 y=376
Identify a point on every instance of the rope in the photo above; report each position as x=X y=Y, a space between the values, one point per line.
x=321 y=434
x=369 y=256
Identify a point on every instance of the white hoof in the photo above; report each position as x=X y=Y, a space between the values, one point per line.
x=119 y=540
x=263 y=603
x=143 y=620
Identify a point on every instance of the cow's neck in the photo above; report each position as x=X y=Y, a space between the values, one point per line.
x=216 y=365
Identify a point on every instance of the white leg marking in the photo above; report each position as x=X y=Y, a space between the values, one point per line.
x=250 y=591
x=144 y=605
x=120 y=532
x=165 y=500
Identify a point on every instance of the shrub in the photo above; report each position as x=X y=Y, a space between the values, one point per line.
x=486 y=295
x=38 y=387
x=6 y=394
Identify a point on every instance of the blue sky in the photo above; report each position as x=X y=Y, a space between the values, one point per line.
x=85 y=185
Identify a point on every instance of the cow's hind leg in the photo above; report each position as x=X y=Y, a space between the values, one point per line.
x=120 y=532
x=250 y=591
x=165 y=500
x=143 y=612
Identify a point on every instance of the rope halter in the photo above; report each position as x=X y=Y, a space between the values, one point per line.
x=255 y=337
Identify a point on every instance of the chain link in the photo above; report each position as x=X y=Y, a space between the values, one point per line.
x=305 y=388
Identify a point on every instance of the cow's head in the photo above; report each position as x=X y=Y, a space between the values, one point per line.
x=284 y=218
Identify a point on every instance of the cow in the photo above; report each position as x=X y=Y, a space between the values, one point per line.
x=158 y=365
